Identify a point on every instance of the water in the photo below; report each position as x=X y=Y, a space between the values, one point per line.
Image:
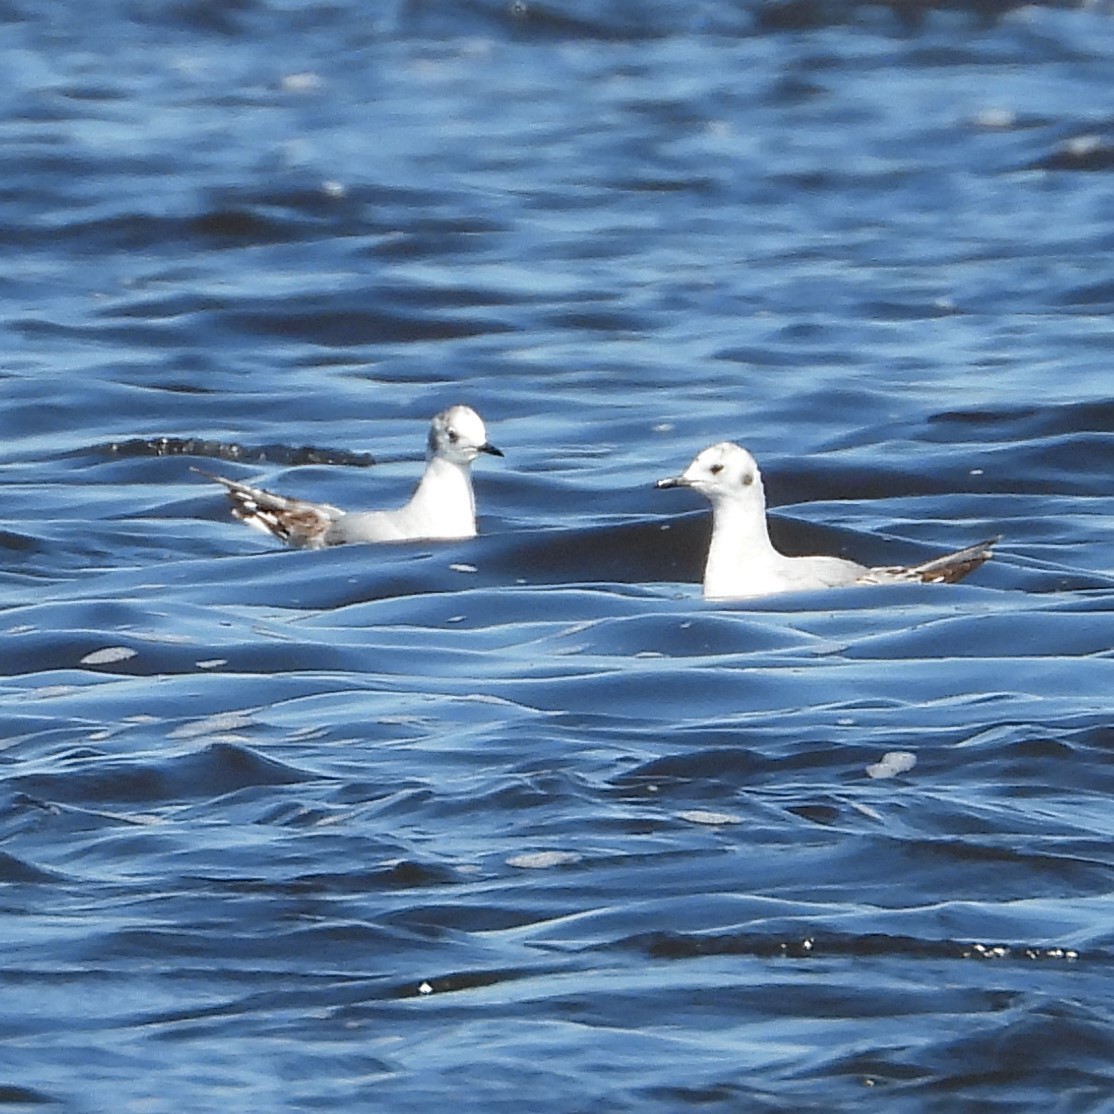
x=522 y=823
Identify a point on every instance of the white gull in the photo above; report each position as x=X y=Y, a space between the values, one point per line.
x=443 y=506
x=742 y=561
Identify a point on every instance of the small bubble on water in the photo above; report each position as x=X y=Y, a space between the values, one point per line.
x=543 y=860
x=704 y=816
x=109 y=655
x=301 y=82
x=893 y=762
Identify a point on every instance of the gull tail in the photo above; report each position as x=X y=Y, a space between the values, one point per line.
x=952 y=566
x=293 y=521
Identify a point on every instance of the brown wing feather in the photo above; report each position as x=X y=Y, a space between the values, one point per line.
x=293 y=521
x=947 y=569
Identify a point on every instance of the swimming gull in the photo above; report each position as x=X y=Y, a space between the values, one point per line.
x=442 y=507
x=742 y=561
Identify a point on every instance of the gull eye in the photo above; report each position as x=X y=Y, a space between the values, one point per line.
x=715 y=469
x=453 y=436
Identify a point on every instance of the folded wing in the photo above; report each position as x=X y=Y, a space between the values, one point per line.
x=940 y=570
x=293 y=521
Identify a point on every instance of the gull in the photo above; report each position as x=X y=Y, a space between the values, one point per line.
x=442 y=507
x=742 y=561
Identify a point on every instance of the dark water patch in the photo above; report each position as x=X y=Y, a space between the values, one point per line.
x=729 y=768
x=234 y=227
x=664 y=551
x=818 y=812
x=1015 y=1053
x=241 y=217
x=14 y=870
x=212 y=772
x=820 y=945
x=999 y=870
x=808 y=481
x=1021 y=424
x=290 y=455
x=19 y=543
x=903 y=15
x=580 y=22
x=12 y=1094
x=462 y=919
x=1090 y=297
x=598 y=321
x=130 y=232
x=1081 y=153
x=715 y=1098
x=567 y=19
x=1042 y=762
x=405 y=874
x=396 y=222
x=357 y=325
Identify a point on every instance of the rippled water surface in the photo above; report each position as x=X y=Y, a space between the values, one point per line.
x=522 y=822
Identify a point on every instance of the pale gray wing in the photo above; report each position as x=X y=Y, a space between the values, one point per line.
x=821 y=572
x=366 y=526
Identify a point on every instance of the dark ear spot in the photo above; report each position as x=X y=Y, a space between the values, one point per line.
x=748 y=479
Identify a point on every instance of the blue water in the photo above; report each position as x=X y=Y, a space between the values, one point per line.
x=522 y=823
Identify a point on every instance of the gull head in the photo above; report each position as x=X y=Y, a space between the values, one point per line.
x=458 y=435
x=723 y=472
